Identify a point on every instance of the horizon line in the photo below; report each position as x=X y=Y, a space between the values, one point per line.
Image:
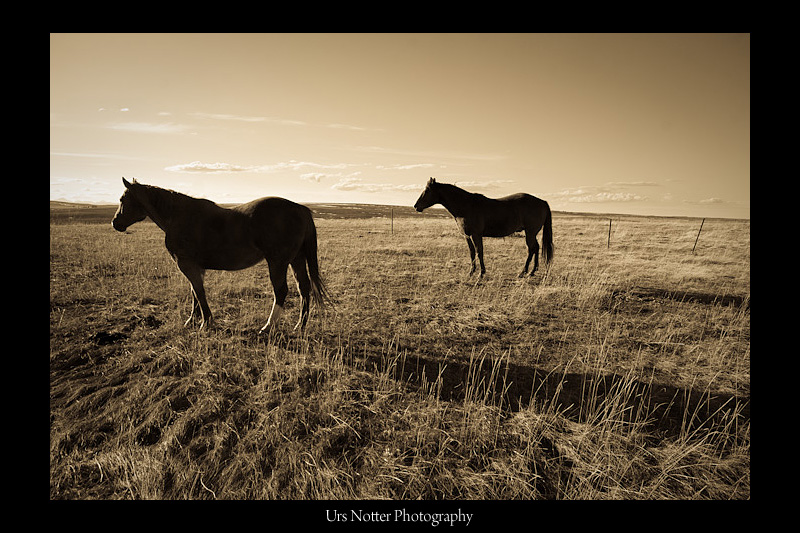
x=555 y=211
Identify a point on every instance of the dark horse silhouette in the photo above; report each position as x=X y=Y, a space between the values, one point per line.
x=201 y=235
x=479 y=217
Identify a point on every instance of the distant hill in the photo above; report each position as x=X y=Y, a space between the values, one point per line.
x=63 y=204
x=369 y=211
x=68 y=212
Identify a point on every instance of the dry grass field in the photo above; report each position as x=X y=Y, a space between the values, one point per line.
x=622 y=372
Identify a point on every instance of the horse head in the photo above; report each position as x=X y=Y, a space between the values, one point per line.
x=428 y=197
x=130 y=209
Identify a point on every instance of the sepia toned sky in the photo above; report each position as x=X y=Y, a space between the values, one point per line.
x=652 y=124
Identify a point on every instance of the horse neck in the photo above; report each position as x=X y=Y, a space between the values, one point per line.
x=158 y=203
x=454 y=199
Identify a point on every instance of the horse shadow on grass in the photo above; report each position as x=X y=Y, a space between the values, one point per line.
x=666 y=410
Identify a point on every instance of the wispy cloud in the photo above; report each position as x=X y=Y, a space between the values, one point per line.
x=712 y=201
x=350 y=127
x=95 y=155
x=614 y=191
x=317 y=177
x=405 y=167
x=297 y=165
x=604 y=197
x=346 y=178
x=276 y=120
x=631 y=184
x=431 y=154
x=477 y=186
x=198 y=166
x=247 y=118
x=359 y=185
x=149 y=127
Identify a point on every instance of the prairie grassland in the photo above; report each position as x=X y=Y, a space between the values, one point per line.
x=622 y=372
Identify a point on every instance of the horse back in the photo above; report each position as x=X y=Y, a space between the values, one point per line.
x=277 y=223
x=509 y=214
x=273 y=209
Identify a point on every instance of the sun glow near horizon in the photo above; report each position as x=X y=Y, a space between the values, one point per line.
x=632 y=124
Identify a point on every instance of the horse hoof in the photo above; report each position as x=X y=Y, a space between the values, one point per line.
x=268 y=329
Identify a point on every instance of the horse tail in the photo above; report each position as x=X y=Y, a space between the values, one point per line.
x=318 y=290
x=547 y=236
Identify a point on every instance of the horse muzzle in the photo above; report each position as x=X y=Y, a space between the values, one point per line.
x=118 y=225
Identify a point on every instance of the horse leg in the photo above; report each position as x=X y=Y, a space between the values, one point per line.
x=195 y=276
x=527 y=262
x=196 y=311
x=535 y=245
x=471 y=255
x=277 y=275
x=304 y=287
x=478 y=240
x=533 y=252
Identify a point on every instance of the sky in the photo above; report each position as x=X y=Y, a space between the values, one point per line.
x=647 y=124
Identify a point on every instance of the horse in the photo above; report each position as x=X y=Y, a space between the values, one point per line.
x=479 y=217
x=201 y=235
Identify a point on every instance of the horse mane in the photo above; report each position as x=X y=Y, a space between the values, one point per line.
x=162 y=198
x=458 y=190
x=164 y=203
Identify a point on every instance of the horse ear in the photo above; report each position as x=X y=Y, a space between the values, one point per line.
x=432 y=180
x=126 y=183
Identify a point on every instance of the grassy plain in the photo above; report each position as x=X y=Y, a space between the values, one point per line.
x=622 y=372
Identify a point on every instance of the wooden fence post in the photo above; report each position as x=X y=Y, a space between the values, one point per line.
x=609 y=234
x=698 y=235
